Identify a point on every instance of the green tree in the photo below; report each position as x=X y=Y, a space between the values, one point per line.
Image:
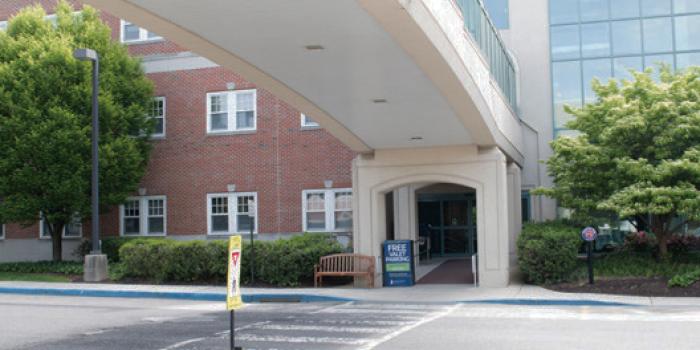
x=637 y=155
x=45 y=118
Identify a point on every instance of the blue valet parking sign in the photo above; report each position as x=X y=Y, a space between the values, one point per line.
x=398 y=263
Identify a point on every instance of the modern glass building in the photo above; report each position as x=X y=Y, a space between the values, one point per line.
x=606 y=38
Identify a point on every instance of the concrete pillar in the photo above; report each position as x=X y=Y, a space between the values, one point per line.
x=515 y=215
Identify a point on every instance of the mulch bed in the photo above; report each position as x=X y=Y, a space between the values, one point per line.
x=648 y=287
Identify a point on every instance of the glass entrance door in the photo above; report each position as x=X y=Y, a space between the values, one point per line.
x=450 y=221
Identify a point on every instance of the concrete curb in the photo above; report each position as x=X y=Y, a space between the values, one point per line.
x=282 y=297
x=198 y=296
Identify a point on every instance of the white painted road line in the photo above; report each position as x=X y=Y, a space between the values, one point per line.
x=307 y=340
x=182 y=343
x=428 y=318
x=293 y=327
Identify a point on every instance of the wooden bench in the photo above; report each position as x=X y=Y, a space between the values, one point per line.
x=344 y=265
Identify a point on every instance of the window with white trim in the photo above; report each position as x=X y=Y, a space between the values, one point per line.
x=74 y=229
x=231 y=111
x=157 y=112
x=327 y=210
x=229 y=213
x=3 y=25
x=131 y=33
x=143 y=216
x=307 y=122
x=2 y=231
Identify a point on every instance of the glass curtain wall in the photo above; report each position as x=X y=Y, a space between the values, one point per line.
x=606 y=38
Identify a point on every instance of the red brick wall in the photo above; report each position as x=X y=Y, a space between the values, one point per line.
x=278 y=161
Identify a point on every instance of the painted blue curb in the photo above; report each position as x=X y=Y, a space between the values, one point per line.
x=248 y=298
x=547 y=302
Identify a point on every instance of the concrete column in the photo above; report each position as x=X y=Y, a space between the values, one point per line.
x=515 y=215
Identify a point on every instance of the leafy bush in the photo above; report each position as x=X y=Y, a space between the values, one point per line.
x=283 y=262
x=110 y=247
x=547 y=252
x=59 y=267
x=685 y=280
x=640 y=242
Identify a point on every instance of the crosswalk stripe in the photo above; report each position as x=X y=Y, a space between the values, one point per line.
x=283 y=339
x=294 y=327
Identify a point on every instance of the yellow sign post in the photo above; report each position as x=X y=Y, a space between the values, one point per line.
x=233 y=285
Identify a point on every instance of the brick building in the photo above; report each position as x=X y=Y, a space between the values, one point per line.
x=222 y=143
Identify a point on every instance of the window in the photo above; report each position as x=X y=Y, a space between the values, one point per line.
x=327 y=210
x=157 y=112
x=623 y=65
x=594 y=10
x=658 y=35
x=132 y=33
x=2 y=231
x=627 y=38
x=498 y=11
x=567 y=89
x=230 y=213
x=595 y=69
x=595 y=40
x=687 y=28
x=231 y=111
x=3 y=25
x=144 y=216
x=565 y=42
x=686 y=6
x=656 y=7
x=563 y=11
x=624 y=8
x=72 y=230
x=307 y=122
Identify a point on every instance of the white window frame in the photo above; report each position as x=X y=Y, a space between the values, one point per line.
x=232 y=212
x=144 y=216
x=231 y=109
x=160 y=135
x=4 y=231
x=308 y=123
x=329 y=208
x=44 y=235
x=3 y=25
x=143 y=34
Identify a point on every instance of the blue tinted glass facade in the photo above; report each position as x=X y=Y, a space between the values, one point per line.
x=604 y=39
x=498 y=11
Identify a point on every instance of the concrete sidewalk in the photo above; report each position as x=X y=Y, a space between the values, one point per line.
x=437 y=293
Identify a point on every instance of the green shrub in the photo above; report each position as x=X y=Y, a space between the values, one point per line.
x=60 y=267
x=110 y=247
x=547 y=252
x=685 y=280
x=283 y=262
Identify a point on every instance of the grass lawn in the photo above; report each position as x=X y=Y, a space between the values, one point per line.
x=33 y=277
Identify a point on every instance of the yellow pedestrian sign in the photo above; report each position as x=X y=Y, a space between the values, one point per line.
x=233 y=285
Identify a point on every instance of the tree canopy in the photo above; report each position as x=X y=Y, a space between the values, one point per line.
x=45 y=118
x=637 y=155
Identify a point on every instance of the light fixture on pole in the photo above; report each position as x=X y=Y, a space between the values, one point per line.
x=95 y=262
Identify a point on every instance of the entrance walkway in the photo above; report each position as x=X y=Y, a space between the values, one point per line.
x=451 y=271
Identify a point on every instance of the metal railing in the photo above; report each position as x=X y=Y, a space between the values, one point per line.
x=485 y=34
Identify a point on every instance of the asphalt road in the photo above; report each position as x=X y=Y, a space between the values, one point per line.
x=28 y=322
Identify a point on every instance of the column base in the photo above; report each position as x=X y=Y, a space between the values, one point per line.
x=95 y=268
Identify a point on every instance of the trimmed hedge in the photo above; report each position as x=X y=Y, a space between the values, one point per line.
x=110 y=247
x=61 y=267
x=547 y=252
x=283 y=262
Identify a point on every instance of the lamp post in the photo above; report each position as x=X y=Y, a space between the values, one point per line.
x=95 y=262
x=251 y=215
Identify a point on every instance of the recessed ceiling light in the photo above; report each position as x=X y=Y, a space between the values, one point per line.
x=379 y=100
x=416 y=138
x=314 y=47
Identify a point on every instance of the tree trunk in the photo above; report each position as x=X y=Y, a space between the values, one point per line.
x=663 y=244
x=56 y=241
